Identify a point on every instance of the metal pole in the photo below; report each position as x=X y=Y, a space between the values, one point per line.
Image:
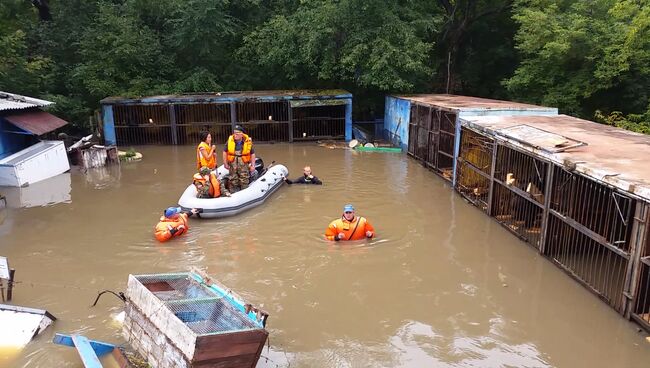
x=290 y=122
x=172 y=123
x=634 y=266
x=233 y=115
x=10 y=286
x=495 y=146
x=547 y=204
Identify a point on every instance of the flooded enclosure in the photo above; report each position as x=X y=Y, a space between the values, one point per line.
x=442 y=285
x=270 y=116
x=431 y=138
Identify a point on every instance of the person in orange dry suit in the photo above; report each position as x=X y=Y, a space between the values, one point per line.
x=349 y=227
x=173 y=223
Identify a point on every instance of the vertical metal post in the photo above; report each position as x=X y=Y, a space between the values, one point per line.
x=10 y=286
x=547 y=208
x=634 y=266
x=456 y=150
x=172 y=122
x=233 y=114
x=109 y=125
x=495 y=147
x=290 y=122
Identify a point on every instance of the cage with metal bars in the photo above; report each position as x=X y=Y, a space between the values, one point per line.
x=268 y=116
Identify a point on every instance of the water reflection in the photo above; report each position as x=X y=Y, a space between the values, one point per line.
x=43 y=193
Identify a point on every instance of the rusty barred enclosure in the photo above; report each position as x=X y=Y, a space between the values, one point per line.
x=594 y=232
x=431 y=138
x=268 y=116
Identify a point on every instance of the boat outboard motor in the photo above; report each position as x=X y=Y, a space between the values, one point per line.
x=259 y=169
x=259 y=166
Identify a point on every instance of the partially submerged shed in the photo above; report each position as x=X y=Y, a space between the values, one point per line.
x=577 y=191
x=427 y=126
x=25 y=157
x=269 y=116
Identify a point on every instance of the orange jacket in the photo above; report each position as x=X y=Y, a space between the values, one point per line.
x=210 y=161
x=168 y=228
x=246 y=150
x=353 y=230
x=215 y=185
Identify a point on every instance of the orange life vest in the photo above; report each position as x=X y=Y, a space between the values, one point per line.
x=215 y=185
x=164 y=227
x=246 y=150
x=210 y=161
x=352 y=230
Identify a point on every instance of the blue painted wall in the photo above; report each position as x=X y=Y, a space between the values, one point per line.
x=109 y=125
x=348 y=119
x=13 y=142
x=397 y=114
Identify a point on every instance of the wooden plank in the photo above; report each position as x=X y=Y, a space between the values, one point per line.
x=226 y=351
x=88 y=356
x=238 y=361
x=231 y=338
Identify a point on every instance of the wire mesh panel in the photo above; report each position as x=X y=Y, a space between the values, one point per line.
x=595 y=206
x=209 y=316
x=142 y=124
x=517 y=213
x=598 y=266
x=319 y=122
x=175 y=287
x=474 y=166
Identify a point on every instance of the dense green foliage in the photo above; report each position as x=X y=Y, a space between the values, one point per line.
x=583 y=56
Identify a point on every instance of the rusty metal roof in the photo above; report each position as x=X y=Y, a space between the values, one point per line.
x=232 y=96
x=11 y=101
x=610 y=155
x=36 y=122
x=475 y=104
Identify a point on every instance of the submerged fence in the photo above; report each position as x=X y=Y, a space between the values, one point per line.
x=596 y=233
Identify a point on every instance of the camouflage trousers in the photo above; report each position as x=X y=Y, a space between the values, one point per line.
x=239 y=175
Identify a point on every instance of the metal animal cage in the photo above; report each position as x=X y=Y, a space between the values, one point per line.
x=268 y=116
x=199 y=320
x=431 y=138
x=475 y=167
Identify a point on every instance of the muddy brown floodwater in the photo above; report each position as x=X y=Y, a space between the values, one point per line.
x=443 y=285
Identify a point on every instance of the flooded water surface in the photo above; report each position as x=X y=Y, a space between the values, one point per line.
x=442 y=285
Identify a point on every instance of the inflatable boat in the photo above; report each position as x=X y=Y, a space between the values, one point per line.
x=268 y=181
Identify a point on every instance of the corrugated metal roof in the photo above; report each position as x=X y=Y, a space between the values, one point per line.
x=11 y=101
x=232 y=96
x=611 y=155
x=36 y=122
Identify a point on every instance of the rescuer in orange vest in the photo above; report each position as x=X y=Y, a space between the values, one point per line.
x=349 y=227
x=239 y=159
x=206 y=152
x=173 y=223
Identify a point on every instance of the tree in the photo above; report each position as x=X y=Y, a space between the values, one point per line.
x=582 y=55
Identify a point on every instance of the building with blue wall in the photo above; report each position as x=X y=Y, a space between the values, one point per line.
x=269 y=116
x=428 y=126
